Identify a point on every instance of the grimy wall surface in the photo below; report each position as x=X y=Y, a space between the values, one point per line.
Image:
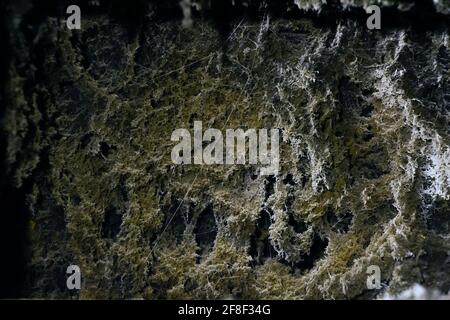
x=87 y=177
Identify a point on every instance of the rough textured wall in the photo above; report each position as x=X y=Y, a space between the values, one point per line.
x=365 y=154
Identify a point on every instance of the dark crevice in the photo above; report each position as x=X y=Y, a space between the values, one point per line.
x=339 y=223
x=179 y=214
x=111 y=223
x=298 y=226
x=317 y=251
x=438 y=217
x=205 y=230
x=269 y=186
x=105 y=149
x=113 y=216
x=260 y=247
x=289 y=180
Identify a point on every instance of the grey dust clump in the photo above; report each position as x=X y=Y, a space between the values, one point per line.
x=364 y=150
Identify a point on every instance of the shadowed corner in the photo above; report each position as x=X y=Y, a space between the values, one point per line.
x=14 y=215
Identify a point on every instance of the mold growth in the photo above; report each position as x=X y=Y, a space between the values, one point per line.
x=364 y=151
